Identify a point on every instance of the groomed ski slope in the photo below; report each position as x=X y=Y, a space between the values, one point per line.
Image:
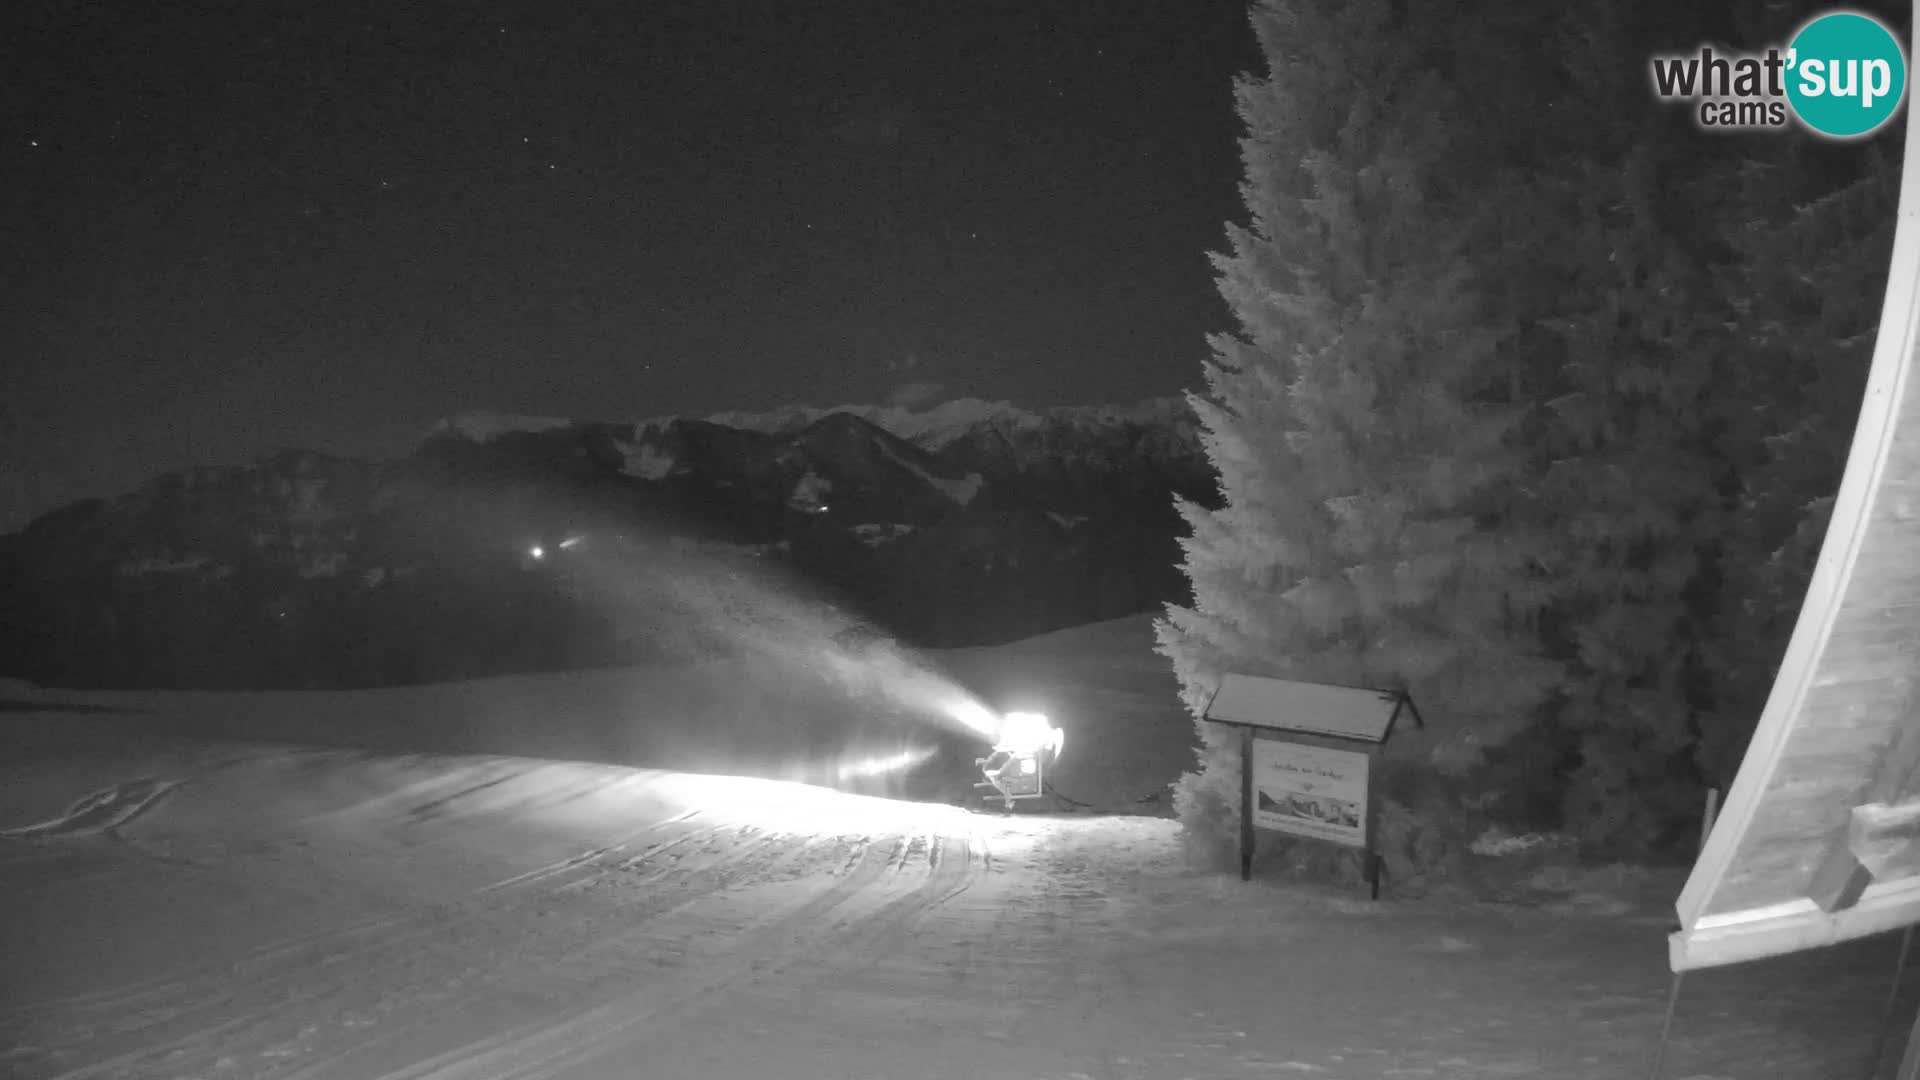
x=211 y=908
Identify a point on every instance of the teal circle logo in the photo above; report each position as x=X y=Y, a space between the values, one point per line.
x=1847 y=74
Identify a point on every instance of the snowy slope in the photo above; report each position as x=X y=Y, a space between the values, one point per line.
x=790 y=711
x=191 y=907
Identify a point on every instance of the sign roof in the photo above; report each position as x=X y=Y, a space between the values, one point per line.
x=1343 y=712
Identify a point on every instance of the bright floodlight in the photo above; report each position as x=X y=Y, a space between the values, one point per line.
x=1026 y=733
x=537 y=551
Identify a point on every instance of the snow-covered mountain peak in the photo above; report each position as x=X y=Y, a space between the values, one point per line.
x=936 y=427
x=932 y=429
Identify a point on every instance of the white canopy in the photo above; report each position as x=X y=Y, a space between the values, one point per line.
x=1816 y=843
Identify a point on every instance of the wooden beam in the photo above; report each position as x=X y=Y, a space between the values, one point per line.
x=1886 y=839
x=1792 y=928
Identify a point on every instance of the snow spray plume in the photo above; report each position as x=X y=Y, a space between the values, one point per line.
x=716 y=600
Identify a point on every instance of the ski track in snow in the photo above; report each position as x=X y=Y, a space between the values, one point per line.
x=397 y=955
x=539 y=921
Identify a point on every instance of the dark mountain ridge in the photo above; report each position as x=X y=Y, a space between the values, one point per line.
x=508 y=544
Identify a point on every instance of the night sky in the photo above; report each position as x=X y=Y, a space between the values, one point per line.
x=239 y=227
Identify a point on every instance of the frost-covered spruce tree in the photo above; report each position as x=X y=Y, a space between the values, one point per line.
x=1359 y=422
x=1631 y=357
x=1635 y=485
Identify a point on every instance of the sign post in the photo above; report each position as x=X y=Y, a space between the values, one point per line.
x=1246 y=804
x=1306 y=758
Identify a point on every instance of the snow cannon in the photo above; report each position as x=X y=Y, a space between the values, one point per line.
x=1027 y=745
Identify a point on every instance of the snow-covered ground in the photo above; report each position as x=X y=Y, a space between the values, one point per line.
x=206 y=907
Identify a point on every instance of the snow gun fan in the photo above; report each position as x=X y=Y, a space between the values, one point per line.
x=1016 y=770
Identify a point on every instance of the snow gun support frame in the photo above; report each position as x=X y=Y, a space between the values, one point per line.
x=1016 y=770
x=1012 y=776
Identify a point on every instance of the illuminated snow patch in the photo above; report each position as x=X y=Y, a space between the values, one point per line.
x=154 y=564
x=482 y=426
x=875 y=534
x=880 y=766
x=789 y=807
x=645 y=461
x=960 y=491
x=810 y=493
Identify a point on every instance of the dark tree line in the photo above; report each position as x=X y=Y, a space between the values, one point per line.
x=1535 y=404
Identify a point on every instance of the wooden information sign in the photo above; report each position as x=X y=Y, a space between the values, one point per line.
x=1306 y=759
